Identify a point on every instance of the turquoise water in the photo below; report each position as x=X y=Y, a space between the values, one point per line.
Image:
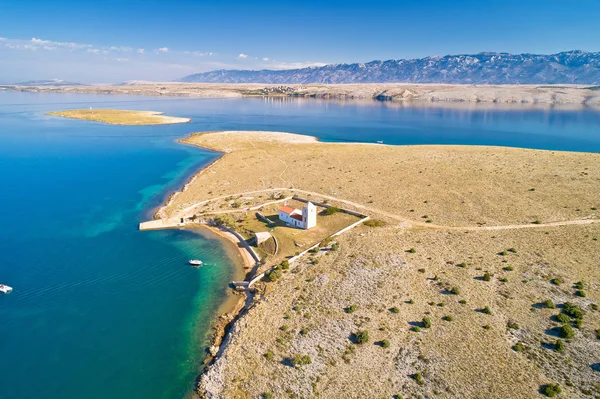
x=101 y=310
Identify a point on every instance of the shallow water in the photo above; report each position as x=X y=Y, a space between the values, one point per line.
x=101 y=310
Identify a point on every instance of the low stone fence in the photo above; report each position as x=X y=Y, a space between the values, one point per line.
x=301 y=254
x=324 y=205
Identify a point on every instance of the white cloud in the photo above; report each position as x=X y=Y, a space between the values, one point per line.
x=52 y=44
x=120 y=49
x=265 y=59
x=93 y=50
x=163 y=50
x=122 y=59
x=140 y=51
x=295 y=65
x=242 y=55
x=198 y=53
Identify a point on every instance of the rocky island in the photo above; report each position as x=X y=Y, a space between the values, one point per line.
x=120 y=117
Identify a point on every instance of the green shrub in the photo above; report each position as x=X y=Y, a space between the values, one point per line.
x=285 y=265
x=487 y=310
x=580 y=293
x=503 y=280
x=463 y=265
x=549 y=304
x=579 y=285
x=563 y=318
x=559 y=346
x=448 y=318
x=551 y=390
x=455 y=290
x=301 y=360
x=416 y=328
x=268 y=355
x=557 y=281
x=412 y=251
x=267 y=395
x=513 y=325
x=514 y=251
x=411 y=301
x=502 y=253
x=426 y=322
x=284 y=327
x=537 y=221
x=573 y=310
x=385 y=343
x=487 y=276
x=335 y=246
x=566 y=331
x=598 y=333
x=519 y=347
x=350 y=309
x=577 y=323
x=463 y=301
x=374 y=223
x=304 y=331
x=361 y=337
x=418 y=378
x=394 y=310
x=487 y=327
x=508 y=268
x=332 y=210
x=274 y=274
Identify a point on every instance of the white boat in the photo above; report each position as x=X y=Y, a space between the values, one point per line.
x=5 y=289
x=379 y=141
x=195 y=262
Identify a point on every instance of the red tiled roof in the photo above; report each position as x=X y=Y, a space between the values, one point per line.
x=297 y=216
x=287 y=209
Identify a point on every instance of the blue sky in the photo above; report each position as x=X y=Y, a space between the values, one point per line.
x=113 y=41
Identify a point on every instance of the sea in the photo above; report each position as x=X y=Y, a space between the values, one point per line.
x=102 y=310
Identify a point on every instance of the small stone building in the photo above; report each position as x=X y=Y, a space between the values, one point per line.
x=261 y=237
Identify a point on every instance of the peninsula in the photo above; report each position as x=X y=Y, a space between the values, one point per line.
x=476 y=273
x=120 y=117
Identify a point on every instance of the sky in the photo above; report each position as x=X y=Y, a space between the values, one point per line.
x=115 y=41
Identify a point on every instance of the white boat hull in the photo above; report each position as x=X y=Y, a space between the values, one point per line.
x=5 y=289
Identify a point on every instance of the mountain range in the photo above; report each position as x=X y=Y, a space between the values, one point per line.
x=570 y=67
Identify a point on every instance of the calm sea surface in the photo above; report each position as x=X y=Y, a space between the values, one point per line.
x=101 y=310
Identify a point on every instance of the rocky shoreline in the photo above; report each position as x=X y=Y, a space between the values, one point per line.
x=547 y=95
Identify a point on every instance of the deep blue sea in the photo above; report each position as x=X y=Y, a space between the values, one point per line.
x=101 y=310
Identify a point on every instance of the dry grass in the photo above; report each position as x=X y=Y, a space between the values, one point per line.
x=303 y=313
x=447 y=185
x=120 y=117
x=457 y=358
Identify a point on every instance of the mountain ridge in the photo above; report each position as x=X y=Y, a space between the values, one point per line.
x=568 y=67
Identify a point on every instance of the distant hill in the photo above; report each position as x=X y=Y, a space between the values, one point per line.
x=52 y=82
x=571 y=67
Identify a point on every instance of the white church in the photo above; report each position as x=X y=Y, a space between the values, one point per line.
x=304 y=219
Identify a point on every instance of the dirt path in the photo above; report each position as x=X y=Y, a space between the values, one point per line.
x=407 y=222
